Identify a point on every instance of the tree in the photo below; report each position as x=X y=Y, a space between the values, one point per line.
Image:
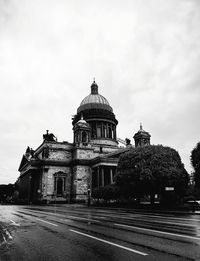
x=149 y=170
x=109 y=192
x=195 y=160
x=6 y=192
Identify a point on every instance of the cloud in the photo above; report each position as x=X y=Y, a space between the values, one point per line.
x=144 y=55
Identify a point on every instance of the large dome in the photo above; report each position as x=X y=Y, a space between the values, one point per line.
x=98 y=114
x=94 y=101
x=94 y=98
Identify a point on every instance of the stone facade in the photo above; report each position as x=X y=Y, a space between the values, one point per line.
x=81 y=182
x=68 y=172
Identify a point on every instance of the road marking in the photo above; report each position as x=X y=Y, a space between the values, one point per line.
x=45 y=212
x=87 y=219
x=9 y=235
x=166 y=222
x=14 y=223
x=110 y=243
x=157 y=231
x=82 y=218
x=4 y=240
x=47 y=222
x=147 y=215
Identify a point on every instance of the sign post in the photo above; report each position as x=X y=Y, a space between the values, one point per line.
x=169 y=188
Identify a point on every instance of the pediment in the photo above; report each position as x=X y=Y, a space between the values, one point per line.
x=23 y=162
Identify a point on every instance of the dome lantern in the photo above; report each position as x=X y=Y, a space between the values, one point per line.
x=94 y=101
x=142 y=137
x=94 y=88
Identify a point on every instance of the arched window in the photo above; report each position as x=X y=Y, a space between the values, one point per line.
x=59 y=183
x=59 y=186
x=84 y=136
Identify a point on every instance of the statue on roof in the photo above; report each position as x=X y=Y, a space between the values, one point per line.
x=49 y=136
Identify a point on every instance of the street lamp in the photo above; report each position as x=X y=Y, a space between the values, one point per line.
x=89 y=197
x=29 y=190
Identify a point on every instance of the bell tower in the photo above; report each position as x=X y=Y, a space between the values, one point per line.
x=142 y=137
x=81 y=132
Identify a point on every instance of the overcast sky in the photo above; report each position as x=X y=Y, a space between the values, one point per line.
x=144 y=54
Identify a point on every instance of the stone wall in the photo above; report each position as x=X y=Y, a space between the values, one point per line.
x=55 y=154
x=48 y=182
x=83 y=153
x=55 y=151
x=81 y=182
x=104 y=142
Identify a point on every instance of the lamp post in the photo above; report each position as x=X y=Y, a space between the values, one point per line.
x=39 y=194
x=89 y=197
x=54 y=194
x=29 y=190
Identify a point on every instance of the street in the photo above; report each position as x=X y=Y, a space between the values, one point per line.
x=75 y=232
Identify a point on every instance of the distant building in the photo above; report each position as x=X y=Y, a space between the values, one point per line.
x=66 y=172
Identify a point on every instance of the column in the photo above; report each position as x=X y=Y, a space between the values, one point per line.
x=102 y=133
x=112 y=128
x=111 y=176
x=63 y=185
x=98 y=177
x=102 y=176
x=107 y=132
x=115 y=132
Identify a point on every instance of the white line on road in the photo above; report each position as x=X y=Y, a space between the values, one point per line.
x=47 y=222
x=82 y=218
x=110 y=243
x=157 y=231
x=170 y=217
x=9 y=235
x=68 y=216
x=4 y=239
x=14 y=223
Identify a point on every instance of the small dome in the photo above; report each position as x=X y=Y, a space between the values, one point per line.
x=82 y=123
x=94 y=100
x=142 y=132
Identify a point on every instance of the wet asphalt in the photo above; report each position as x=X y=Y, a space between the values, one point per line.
x=76 y=232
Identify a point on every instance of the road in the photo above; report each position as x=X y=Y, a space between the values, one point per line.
x=75 y=232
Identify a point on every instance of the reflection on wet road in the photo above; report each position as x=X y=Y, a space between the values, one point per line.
x=72 y=232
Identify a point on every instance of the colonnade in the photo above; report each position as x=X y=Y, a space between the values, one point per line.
x=103 y=175
x=103 y=129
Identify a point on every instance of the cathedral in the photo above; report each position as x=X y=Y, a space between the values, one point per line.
x=68 y=172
